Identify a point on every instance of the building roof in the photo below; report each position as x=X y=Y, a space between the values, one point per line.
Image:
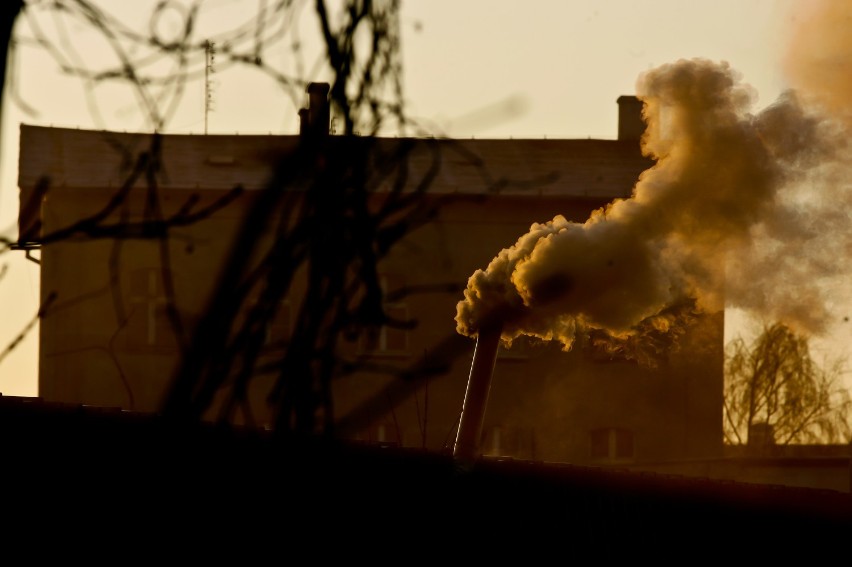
x=558 y=167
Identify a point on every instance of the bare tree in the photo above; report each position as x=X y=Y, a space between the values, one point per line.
x=774 y=382
x=321 y=203
x=336 y=205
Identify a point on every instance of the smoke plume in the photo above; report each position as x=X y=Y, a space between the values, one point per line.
x=741 y=209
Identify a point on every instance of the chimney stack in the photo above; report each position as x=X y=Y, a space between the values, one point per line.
x=631 y=126
x=304 y=121
x=466 y=447
x=314 y=120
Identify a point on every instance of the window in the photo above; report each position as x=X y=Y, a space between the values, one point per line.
x=148 y=325
x=509 y=441
x=599 y=346
x=393 y=339
x=520 y=349
x=494 y=440
x=384 y=432
x=388 y=339
x=611 y=444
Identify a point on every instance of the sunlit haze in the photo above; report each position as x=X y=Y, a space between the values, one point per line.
x=483 y=69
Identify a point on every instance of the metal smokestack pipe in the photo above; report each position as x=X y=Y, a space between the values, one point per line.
x=476 y=396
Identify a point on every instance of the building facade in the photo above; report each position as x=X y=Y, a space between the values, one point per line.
x=113 y=287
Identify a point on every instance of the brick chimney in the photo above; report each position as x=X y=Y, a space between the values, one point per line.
x=631 y=126
x=314 y=120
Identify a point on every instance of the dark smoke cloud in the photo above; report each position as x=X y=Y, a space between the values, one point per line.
x=743 y=210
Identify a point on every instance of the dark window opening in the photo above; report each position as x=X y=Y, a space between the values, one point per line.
x=611 y=444
x=388 y=339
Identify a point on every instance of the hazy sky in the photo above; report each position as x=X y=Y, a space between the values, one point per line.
x=472 y=68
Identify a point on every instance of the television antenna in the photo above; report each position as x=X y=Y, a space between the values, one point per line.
x=209 y=59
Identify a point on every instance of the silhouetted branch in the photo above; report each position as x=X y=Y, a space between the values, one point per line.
x=42 y=312
x=315 y=235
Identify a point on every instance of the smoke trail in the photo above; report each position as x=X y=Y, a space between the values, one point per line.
x=734 y=212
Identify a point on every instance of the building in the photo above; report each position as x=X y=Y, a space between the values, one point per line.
x=113 y=285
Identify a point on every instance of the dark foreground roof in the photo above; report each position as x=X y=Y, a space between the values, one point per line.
x=88 y=472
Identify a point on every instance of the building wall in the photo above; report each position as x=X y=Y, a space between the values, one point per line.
x=104 y=342
x=814 y=471
x=544 y=403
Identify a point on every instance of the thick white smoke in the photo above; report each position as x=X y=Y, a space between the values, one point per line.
x=741 y=209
